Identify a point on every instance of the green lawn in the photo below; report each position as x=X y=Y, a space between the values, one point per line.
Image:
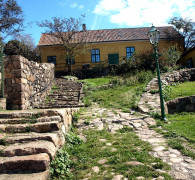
x=180 y=132
x=121 y=96
x=124 y=147
x=97 y=81
x=182 y=90
x=183 y=124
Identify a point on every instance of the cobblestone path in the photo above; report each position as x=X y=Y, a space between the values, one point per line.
x=182 y=167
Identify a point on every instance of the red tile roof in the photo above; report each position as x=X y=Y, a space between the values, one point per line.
x=108 y=35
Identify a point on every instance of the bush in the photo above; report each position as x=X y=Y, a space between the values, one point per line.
x=171 y=56
x=15 y=47
x=133 y=78
x=60 y=166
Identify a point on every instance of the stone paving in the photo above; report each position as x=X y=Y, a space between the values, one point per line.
x=182 y=167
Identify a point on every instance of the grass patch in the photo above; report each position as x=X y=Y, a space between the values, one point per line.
x=180 y=132
x=182 y=124
x=181 y=90
x=82 y=157
x=121 y=96
x=95 y=82
x=122 y=92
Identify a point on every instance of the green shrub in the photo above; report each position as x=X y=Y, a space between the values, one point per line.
x=171 y=56
x=59 y=168
x=75 y=117
x=73 y=139
x=167 y=92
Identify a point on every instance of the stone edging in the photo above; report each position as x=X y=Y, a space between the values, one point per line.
x=182 y=104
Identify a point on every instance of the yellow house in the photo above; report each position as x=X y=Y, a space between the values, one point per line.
x=106 y=46
x=188 y=58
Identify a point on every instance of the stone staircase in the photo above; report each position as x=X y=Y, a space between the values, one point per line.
x=29 y=141
x=66 y=94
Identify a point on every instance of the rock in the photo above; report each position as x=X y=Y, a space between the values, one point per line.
x=180 y=176
x=150 y=121
x=102 y=161
x=159 y=148
x=137 y=125
x=113 y=150
x=83 y=138
x=176 y=160
x=160 y=178
x=117 y=177
x=19 y=164
x=108 y=144
x=134 y=163
x=102 y=140
x=140 y=178
x=96 y=169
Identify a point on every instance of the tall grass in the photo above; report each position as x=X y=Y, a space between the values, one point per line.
x=123 y=92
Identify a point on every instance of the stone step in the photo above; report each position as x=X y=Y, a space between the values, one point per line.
x=67 y=90
x=62 y=106
x=30 y=176
x=29 y=148
x=57 y=138
x=63 y=99
x=30 y=115
x=16 y=115
x=63 y=102
x=31 y=121
x=38 y=127
x=21 y=164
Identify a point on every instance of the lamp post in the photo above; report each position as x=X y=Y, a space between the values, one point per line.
x=1 y=56
x=154 y=35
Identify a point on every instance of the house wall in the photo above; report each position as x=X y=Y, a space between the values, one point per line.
x=186 y=57
x=105 y=49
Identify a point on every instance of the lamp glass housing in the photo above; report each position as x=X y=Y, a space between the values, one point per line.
x=154 y=35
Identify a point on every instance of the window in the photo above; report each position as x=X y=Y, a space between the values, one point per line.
x=190 y=63
x=51 y=59
x=70 y=60
x=130 y=51
x=95 y=55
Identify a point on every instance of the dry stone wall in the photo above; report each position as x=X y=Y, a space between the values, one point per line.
x=150 y=102
x=182 y=104
x=27 y=83
x=173 y=77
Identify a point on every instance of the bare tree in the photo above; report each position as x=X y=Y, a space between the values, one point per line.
x=70 y=34
x=186 y=27
x=11 y=18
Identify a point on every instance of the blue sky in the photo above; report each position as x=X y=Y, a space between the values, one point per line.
x=105 y=14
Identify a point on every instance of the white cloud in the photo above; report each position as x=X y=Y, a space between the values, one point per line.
x=144 y=12
x=76 y=5
x=73 y=5
x=81 y=7
x=107 y=6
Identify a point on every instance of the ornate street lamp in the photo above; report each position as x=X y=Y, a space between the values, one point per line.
x=154 y=35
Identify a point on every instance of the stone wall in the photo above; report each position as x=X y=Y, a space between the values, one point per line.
x=150 y=102
x=173 y=77
x=182 y=104
x=27 y=83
